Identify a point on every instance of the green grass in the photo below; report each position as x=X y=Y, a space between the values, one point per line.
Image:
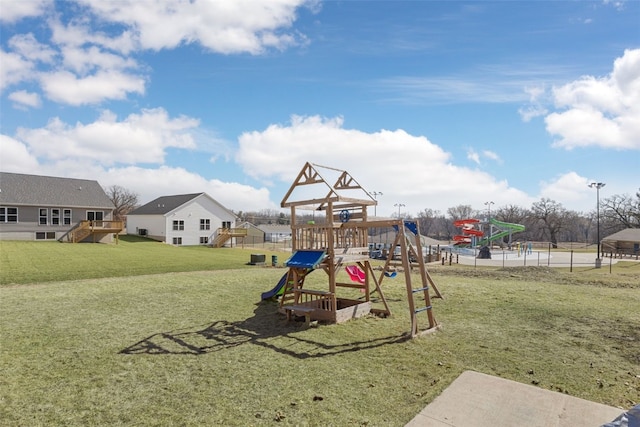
x=197 y=348
x=36 y=262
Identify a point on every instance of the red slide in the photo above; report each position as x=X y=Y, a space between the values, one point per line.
x=468 y=230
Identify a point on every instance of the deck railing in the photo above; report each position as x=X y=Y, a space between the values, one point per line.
x=87 y=228
x=317 y=237
x=222 y=235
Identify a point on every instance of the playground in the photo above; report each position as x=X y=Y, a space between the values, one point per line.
x=338 y=246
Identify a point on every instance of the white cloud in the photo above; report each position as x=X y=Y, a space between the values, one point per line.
x=83 y=61
x=79 y=33
x=535 y=108
x=139 y=138
x=476 y=157
x=25 y=99
x=405 y=168
x=15 y=156
x=163 y=181
x=602 y=112
x=473 y=156
x=68 y=88
x=14 y=10
x=116 y=152
x=240 y=26
x=571 y=188
x=491 y=156
x=87 y=59
x=31 y=49
x=14 y=69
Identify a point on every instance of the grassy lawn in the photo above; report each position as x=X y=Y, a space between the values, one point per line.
x=36 y=262
x=197 y=347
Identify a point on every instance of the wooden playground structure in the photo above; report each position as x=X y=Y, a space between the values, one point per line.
x=341 y=241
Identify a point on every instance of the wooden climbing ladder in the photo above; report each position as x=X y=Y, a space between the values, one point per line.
x=419 y=297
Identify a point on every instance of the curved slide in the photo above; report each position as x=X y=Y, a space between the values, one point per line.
x=506 y=227
x=278 y=290
x=468 y=230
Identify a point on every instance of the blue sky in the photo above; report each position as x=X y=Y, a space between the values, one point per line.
x=434 y=104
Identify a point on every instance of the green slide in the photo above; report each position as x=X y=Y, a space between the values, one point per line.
x=506 y=229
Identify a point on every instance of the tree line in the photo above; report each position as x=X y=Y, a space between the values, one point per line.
x=546 y=220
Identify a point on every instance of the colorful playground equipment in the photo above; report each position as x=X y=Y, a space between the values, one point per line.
x=355 y=273
x=469 y=232
x=472 y=236
x=342 y=241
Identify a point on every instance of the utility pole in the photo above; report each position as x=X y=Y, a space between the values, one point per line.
x=598 y=186
x=374 y=194
x=488 y=205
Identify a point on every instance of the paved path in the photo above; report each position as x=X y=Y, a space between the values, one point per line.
x=539 y=259
x=480 y=400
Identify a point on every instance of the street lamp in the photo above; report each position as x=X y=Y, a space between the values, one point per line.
x=598 y=186
x=488 y=205
x=399 y=205
x=374 y=194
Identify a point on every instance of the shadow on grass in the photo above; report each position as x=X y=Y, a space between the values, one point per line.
x=263 y=329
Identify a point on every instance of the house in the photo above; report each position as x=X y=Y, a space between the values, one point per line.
x=625 y=242
x=254 y=233
x=34 y=207
x=276 y=233
x=185 y=219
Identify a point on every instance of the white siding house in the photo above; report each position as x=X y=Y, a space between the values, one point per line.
x=185 y=219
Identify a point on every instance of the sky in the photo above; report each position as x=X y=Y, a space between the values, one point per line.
x=427 y=104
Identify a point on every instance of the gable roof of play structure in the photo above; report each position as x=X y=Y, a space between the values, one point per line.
x=36 y=190
x=628 y=235
x=316 y=186
x=167 y=204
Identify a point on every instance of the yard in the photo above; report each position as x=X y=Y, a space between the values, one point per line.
x=112 y=343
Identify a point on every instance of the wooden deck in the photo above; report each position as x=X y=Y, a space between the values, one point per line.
x=96 y=229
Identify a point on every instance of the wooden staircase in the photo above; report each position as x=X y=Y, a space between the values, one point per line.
x=223 y=235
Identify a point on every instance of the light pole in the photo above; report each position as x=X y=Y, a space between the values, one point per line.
x=598 y=186
x=374 y=194
x=488 y=205
x=399 y=205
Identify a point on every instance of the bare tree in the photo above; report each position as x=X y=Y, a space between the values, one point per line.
x=553 y=218
x=621 y=210
x=426 y=220
x=123 y=199
x=460 y=212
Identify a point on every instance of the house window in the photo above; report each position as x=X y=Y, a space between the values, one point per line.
x=45 y=235
x=8 y=214
x=66 y=216
x=55 y=216
x=177 y=240
x=204 y=240
x=42 y=216
x=205 y=224
x=178 y=225
x=226 y=224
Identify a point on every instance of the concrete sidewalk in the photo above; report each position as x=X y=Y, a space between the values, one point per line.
x=538 y=259
x=480 y=400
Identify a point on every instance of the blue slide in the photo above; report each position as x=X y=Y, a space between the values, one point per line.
x=278 y=290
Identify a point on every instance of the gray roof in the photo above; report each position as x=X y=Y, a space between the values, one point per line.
x=275 y=228
x=628 y=235
x=165 y=204
x=35 y=190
